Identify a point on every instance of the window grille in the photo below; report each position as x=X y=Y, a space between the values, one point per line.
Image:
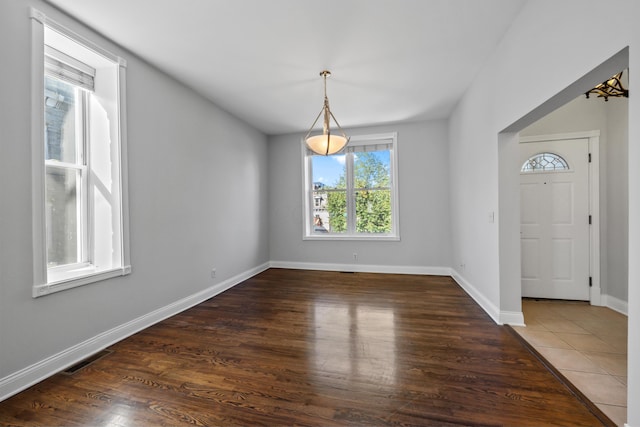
x=544 y=162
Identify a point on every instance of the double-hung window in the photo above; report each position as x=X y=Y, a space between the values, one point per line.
x=353 y=195
x=65 y=160
x=80 y=223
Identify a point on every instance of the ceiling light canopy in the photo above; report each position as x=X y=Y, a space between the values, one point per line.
x=326 y=143
x=610 y=88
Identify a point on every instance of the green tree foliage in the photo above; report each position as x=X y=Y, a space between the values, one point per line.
x=337 y=205
x=372 y=197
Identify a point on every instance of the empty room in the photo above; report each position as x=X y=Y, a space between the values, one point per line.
x=285 y=212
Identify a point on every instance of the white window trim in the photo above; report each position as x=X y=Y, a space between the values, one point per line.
x=83 y=274
x=307 y=195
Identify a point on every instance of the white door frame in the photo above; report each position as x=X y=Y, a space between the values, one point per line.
x=594 y=201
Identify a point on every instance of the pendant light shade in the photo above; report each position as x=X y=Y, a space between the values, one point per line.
x=326 y=143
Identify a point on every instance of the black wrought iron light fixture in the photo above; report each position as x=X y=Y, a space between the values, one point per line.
x=611 y=88
x=326 y=143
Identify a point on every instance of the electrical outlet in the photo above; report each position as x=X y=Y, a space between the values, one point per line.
x=213 y=273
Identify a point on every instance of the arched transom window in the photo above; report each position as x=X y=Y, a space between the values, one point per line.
x=544 y=162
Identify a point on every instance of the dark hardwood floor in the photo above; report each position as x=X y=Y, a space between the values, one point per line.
x=292 y=347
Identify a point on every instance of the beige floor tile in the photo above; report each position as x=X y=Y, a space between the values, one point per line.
x=599 y=388
x=520 y=329
x=592 y=326
x=534 y=325
x=531 y=316
x=562 y=325
x=618 y=343
x=573 y=360
x=617 y=414
x=543 y=338
x=578 y=314
x=608 y=314
x=604 y=327
x=587 y=343
x=613 y=364
x=540 y=309
x=623 y=380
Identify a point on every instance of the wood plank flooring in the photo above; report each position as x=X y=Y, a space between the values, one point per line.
x=291 y=347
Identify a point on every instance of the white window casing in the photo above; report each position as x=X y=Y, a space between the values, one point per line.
x=357 y=144
x=60 y=53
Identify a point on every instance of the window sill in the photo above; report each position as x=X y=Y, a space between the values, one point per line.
x=79 y=277
x=369 y=237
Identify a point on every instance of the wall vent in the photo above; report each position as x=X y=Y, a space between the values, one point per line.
x=86 y=362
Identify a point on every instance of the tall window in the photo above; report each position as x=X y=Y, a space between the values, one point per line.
x=353 y=195
x=80 y=217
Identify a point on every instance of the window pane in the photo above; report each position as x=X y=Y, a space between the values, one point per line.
x=329 y=206
x=60 y=120
x=62 y=198
x=335 y=215
x=372 y=177
x=329 y=211
x=373 y=211
x=329 y=171
x=544 y=162
x=372 y=169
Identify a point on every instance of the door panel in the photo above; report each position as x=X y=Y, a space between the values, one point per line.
x=528 y=201
x=530 y=261
x=562 y=203
x=562 y=256
x=554 y=227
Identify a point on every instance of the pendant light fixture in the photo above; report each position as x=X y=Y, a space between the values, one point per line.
x=326 y=143
x=611 y=88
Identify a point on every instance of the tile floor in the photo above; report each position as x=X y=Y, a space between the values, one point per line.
x=587 y=344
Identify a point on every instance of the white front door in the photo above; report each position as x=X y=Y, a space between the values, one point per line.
x=554 y=220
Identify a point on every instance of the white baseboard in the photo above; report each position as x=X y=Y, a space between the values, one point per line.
x=615 y=304
x=360 y=268
x=37 y=372
x=515 y=318
x=486 y=305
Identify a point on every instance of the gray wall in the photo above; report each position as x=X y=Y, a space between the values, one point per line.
x=612 y=120
x=618 y=200
x=424 y=203
x=197 y=190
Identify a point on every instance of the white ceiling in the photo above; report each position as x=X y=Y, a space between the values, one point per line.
x=391 y=60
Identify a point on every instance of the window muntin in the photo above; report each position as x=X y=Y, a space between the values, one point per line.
x=353 y=195
x=545 y=162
